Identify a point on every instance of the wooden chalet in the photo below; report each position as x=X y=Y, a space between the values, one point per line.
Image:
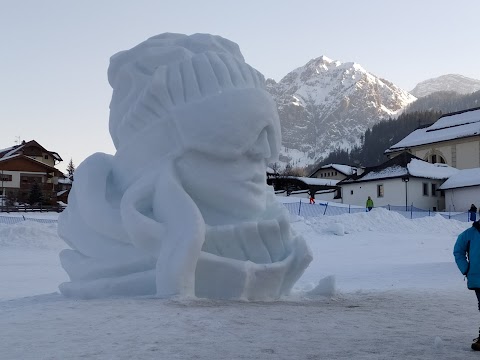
x=28 y=163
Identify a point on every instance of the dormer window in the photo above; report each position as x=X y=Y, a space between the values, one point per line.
x=45 y=157
x=435 y=159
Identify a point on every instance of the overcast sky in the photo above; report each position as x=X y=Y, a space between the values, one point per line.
x=55 y=53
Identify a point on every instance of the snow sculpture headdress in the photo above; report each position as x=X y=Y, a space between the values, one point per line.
x=171 y=78
x=182 y=208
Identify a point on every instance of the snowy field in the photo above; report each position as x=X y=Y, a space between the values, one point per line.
x=392 y=291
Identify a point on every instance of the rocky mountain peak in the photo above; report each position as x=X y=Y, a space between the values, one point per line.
x=326 y=104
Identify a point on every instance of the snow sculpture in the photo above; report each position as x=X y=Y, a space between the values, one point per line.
x=182 y=208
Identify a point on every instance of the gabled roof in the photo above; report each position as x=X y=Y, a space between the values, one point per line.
x=4 y=153
x=48 y=168
x=403 y=165
x=344 y=169
x=460 y=124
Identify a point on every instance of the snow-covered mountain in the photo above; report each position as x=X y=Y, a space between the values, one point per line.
x=327 y=104
x=451 y=82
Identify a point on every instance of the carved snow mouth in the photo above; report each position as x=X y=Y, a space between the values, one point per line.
x=258 y=260
x=263 y=242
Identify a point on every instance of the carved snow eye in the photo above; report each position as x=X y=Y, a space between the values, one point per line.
x=261 y=147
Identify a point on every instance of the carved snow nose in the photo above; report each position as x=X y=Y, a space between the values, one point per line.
x=261 y=147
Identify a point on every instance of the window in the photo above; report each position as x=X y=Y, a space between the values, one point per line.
x=351 y=192
x=380 y=190
x=5 y=177
x=434 y=189
x=442 y=193
x=336 y=173
x=425 y=189
x=436 y=158
x=46 y=157
x=338 y=194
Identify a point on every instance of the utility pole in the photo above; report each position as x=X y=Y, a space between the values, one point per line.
x=405 y=179
x=3 y=191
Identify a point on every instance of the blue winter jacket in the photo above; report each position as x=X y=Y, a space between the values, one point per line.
x=467 y=255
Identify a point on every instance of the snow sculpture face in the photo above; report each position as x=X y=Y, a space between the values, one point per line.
x=185 y=209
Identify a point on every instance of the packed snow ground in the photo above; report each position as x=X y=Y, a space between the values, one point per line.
x=392 y=292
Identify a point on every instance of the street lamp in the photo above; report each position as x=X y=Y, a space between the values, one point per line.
x=405 y=179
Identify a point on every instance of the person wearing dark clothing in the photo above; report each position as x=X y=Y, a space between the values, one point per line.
x=473 y=213
x=312 y=197
x=467 y=256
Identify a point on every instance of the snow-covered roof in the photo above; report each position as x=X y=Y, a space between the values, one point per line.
x=4 y=158
x=448 y=127
x=316 y=181
x=390 y=172
x=462 y=178
x=16 y=148
x=64 y=181
x=420 y=168
x=13 y=151
x=344 y=169
x=405 y=164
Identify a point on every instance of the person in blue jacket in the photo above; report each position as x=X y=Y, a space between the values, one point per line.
x=467 y=257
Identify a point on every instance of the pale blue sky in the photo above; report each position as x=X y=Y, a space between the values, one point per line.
x=55 y=53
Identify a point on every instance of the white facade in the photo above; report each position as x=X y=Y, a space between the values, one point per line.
x=14 y=183
x=461 y=154
x=395 y=192
x=460 y=199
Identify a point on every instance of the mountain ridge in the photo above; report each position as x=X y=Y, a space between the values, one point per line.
x=449 y=82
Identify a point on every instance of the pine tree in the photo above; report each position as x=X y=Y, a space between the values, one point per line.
x=70 y=168
x=36 y=195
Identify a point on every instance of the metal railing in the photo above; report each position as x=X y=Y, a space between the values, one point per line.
x=31 y=208
x=300 y=208
x=306 y=209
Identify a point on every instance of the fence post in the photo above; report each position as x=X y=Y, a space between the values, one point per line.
x=299 y=207
x=388 y=207
x=349 y=208
x=326 y=206
x=411 y=211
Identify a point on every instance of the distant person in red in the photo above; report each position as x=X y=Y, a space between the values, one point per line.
x=312 y=197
